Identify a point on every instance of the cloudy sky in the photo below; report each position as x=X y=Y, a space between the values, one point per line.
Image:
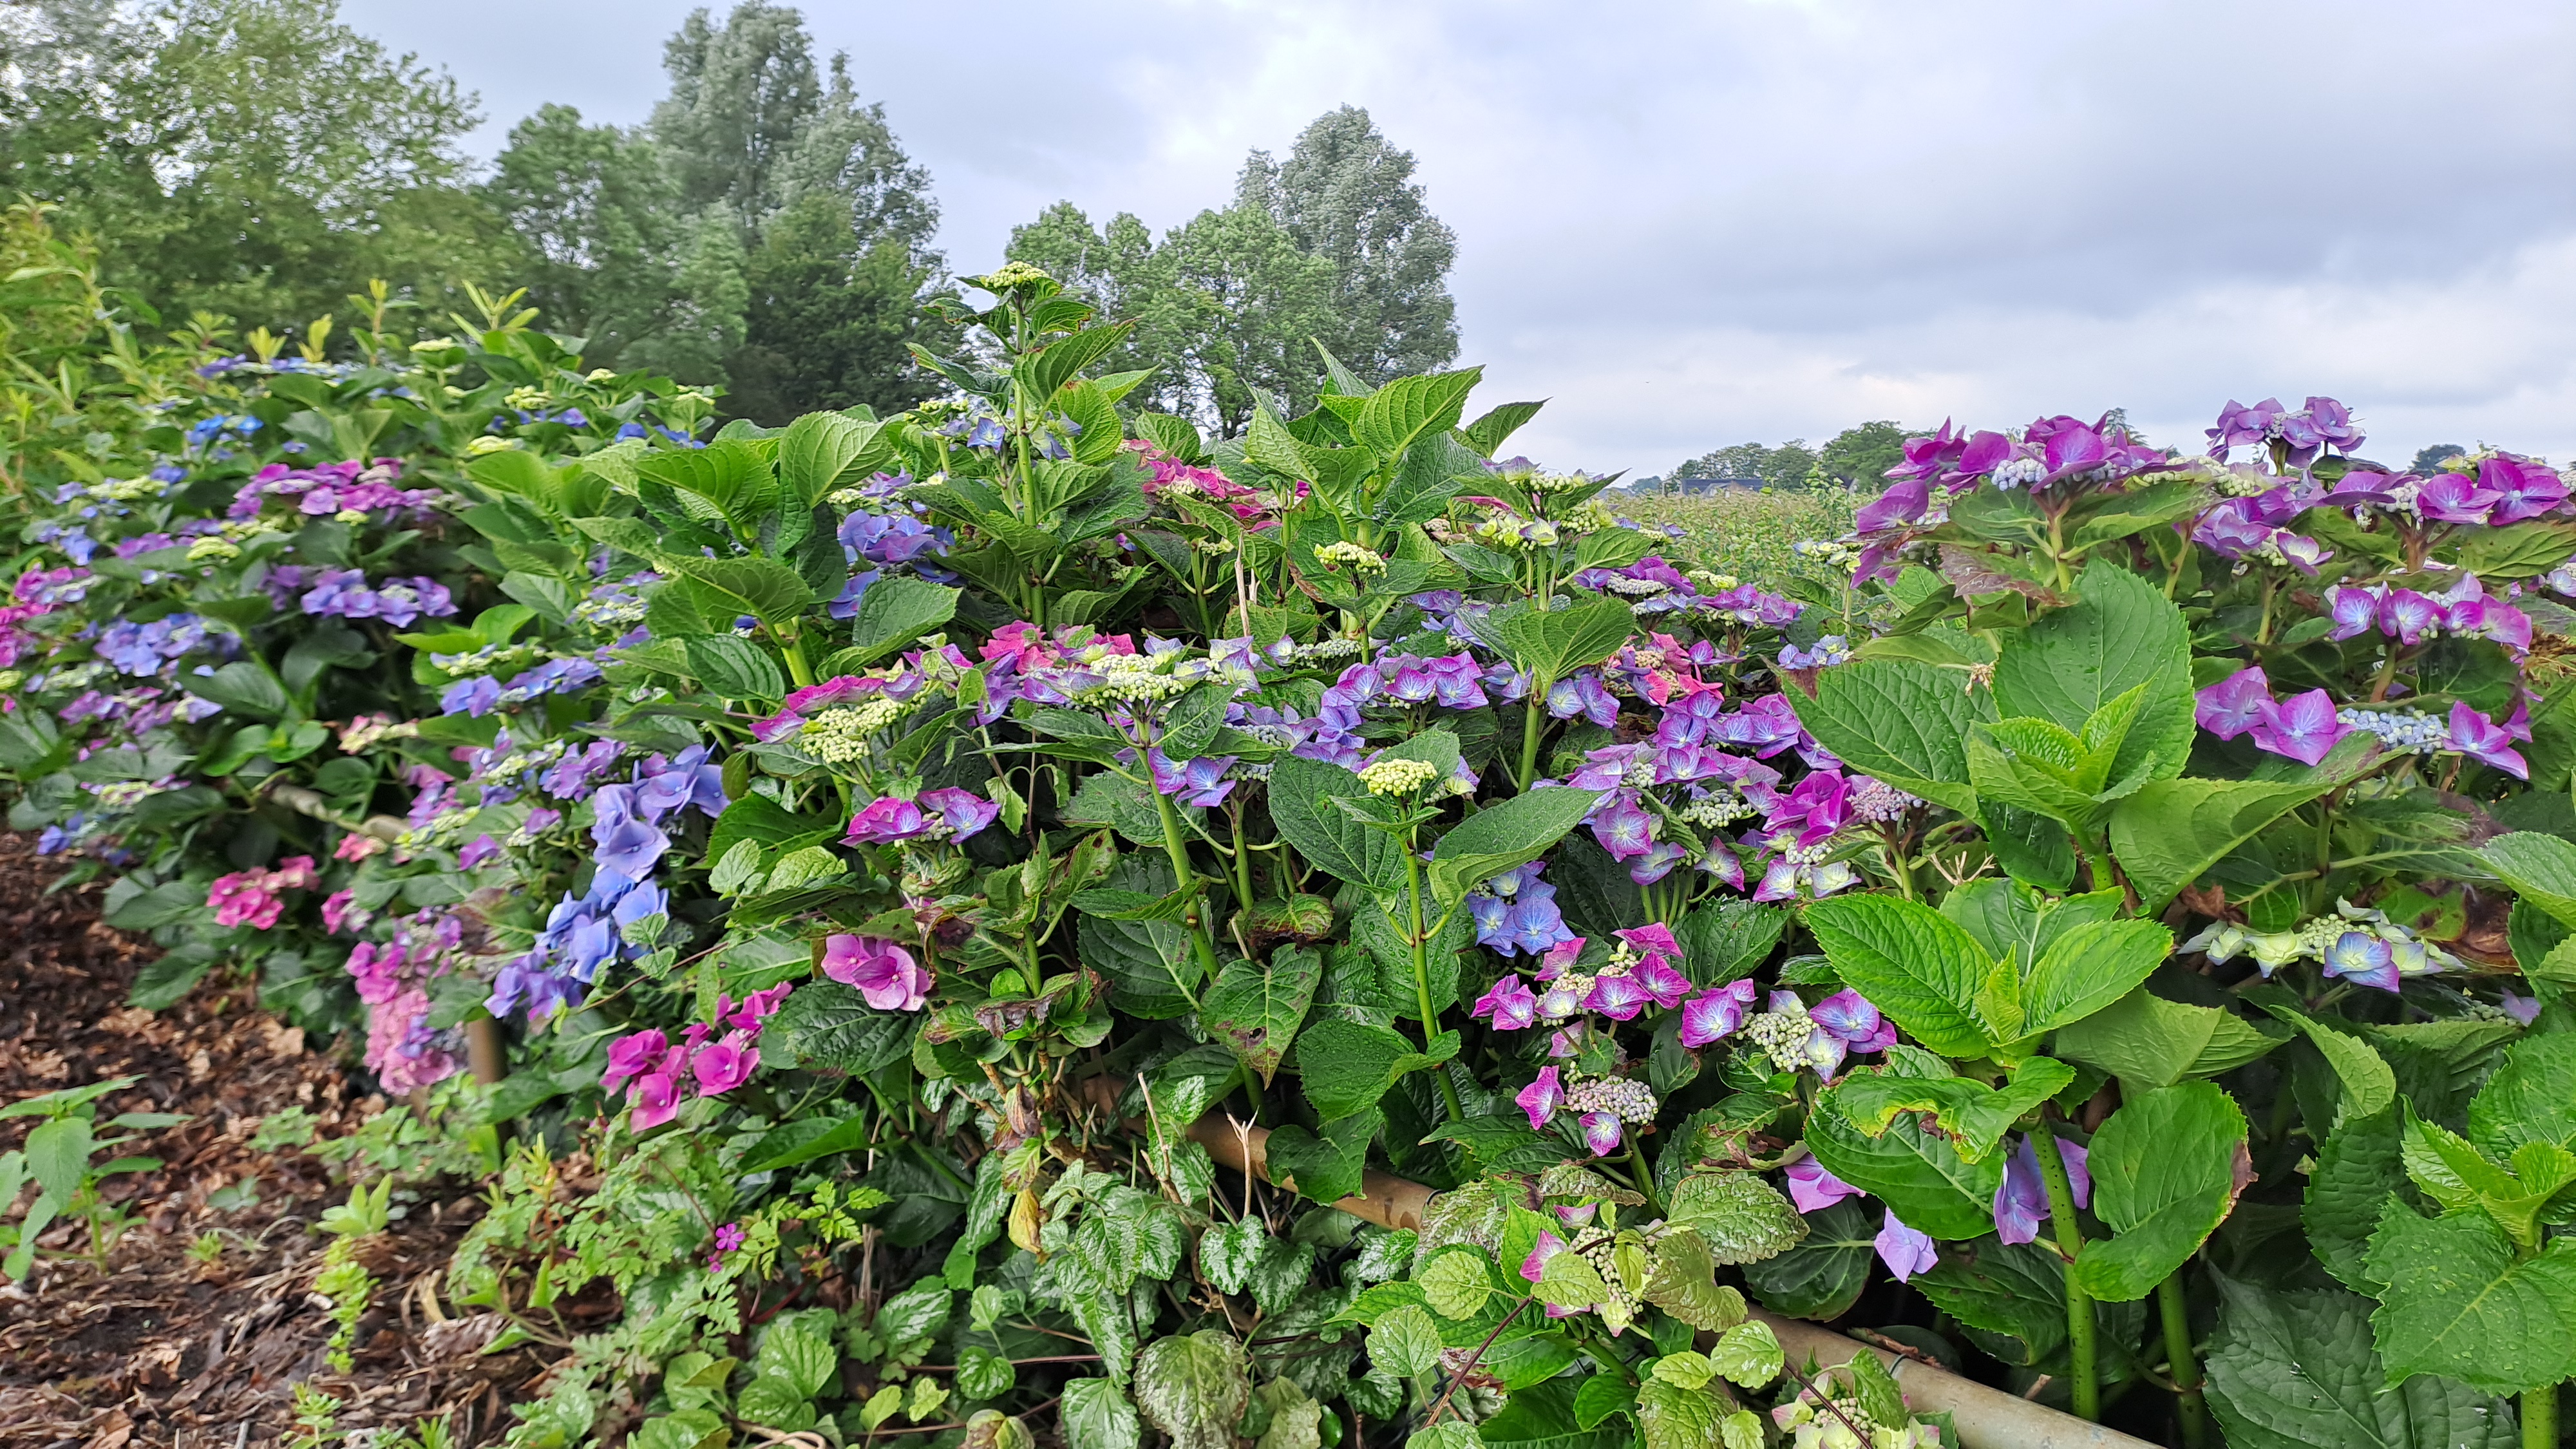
x=1695 y=224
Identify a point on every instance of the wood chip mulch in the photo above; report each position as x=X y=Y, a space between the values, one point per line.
x=171 y=1346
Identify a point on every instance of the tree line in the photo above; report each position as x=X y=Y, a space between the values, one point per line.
x=255 y=161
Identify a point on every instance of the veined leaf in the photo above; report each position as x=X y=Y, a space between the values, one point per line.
x=2167 y=1168
x=1899 y=721
x=1911 y=961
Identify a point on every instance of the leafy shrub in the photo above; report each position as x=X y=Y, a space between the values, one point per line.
x=913 y=844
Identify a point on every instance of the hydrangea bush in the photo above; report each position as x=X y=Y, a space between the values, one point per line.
x=898 y=849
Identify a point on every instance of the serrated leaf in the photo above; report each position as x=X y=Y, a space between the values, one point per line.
x=1405 y=1341
x=1672 y=1417
x=1915 y=964
x=2123 y=634
x=1900 y=721
x=1824 y=1274
x=1681 y=1281
x=1194 y=1387
x=1346 y=1066
x=1094 y=1415
x=2295 y=1369
x=1740 y=1217
x=1917 y=1173
x=2087 y=969
x=2167 y=1168
x=894 y=614
x=1456 y=1284
x=1747 y=1354
x=1504 y=837
x=1257 y=1008
x=2458 y=1303
x=1301 y=809
x=2171 y=831
x=2358 y=1171
x=2147 y=1041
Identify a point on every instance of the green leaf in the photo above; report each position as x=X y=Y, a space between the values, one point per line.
x=2125 y=633
x=735 y=668
x=821 y=452
x=2530 y=1099
x=1456 y=1283
x=1727 y=938
x=764 y=588
x=1915 y=964
x=1346 y=1066
x=2540 y=868
x=804 y=1362
x=1823 y=1275
x=1301 y=809
x=895 y=614
x=1408 y=407
x=825 y=1026
x=2166 y=1170
x=2368 y=1083
x=2147 y=1041
x=1542 y=1416
x=1672 y=1417
x=242 y=688
x=1550 y=644
x=1962 y=1109
x=1900 y=721
x=2357 y=1172
x=1256 y=1009
x=58 y=1154
x=2010 y=1298
x=1681 y=1279
x=1405 y=1342
x=1194 y=1387
x=2032 y=765
x=2294 y=1369
x=1916 y=1172
x=1502 y=837
x=1153 y=971
x=2087 y=969
x=1328 y=1167
x=2170 y=831
x=2458 y=1304
x=1095 y=1415
x=1741 y=1217
x=1747 y=1354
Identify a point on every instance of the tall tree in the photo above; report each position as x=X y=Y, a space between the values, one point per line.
x=252 y=157
x=764 y=228
x=1860 y=457
x=1346 y=195
x=2430 y=458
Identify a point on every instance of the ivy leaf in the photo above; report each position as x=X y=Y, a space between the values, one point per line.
x=1194 y=1386
x=1900 y=721
x=1405 y=1341
x=2459 y=1304
x=1914 y=963
x=1346 y=1066
x=1095 y=1415
x=2167 y=1168
x=1740 y=1217
x=2294 y=1369
x=1256 y=1009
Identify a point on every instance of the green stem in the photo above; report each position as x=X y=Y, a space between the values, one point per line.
x=1533 y=713
x=1183 y=875
x=2540 y=1418
x=798 y=668
x=1645 y=1178
x=2086 y=1390
x=1420 y=941
x=2180 y=1363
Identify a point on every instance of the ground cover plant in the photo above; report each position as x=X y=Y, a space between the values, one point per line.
x=2101 y=921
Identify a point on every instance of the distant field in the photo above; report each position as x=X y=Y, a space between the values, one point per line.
x=1745 y=533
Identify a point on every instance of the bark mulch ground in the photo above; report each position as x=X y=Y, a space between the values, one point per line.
x=204 y=1318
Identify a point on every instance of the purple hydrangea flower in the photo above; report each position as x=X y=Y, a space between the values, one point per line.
x=2302 y=727
x=1508 y=1006
x=1542 y=1097
x=2235 y=704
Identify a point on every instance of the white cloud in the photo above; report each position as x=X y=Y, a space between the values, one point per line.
x=1693 y=224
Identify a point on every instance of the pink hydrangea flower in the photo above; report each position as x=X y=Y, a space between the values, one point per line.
x=1509 y=1006
x=633 y=1055
x=337 y=907
x=884 y=972
x=724 y=1064
x=656 y=1099
x=354 y=846
x=1813 y=1189
x=1541 y=1098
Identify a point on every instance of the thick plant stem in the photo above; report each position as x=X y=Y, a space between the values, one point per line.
x=2540 y=1418
x=2181 y=1364
x=1533 y=717
x=1183 y=876
x=2085 y=1393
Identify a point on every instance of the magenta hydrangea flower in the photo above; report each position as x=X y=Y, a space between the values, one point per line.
x=1813 y=1189
x=965 y=812
x=631 y=1056
x=1508 y=1006
x=2408 y=616
x=2480 y=738
x=1601 y=1132
x=2302 y=727
x=725 y=1063
x=888 y=821
x=1662 y=984
x=1618 y=997
x=1716 y=1013
x=656 y=1100
x=1904 y=1250
x=2235 y=704
x=884 y=972
x=1542 y=1097
x=2355 y=612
